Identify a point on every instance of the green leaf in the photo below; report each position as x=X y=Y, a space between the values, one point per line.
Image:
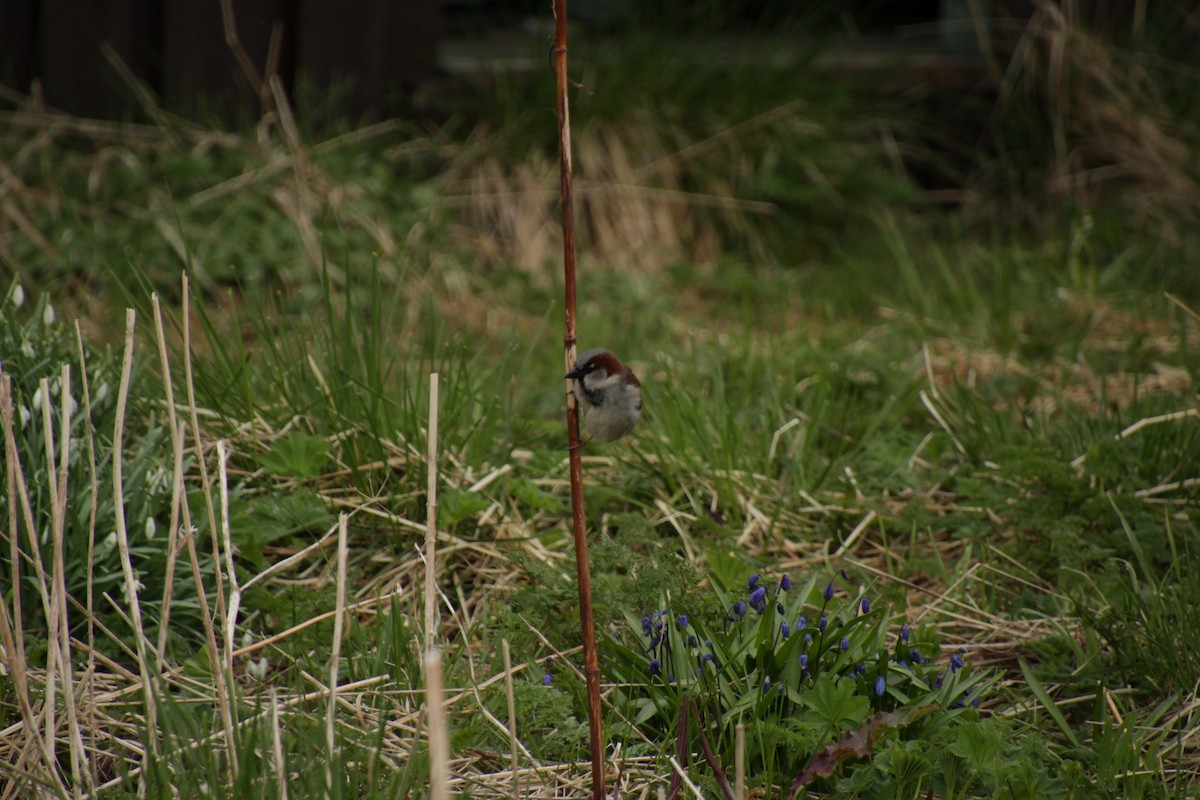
x=833 y=706
x=296 y=455
x=531 y=495
x=456 y=506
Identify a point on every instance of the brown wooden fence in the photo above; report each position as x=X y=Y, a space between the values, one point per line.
x=77 y=50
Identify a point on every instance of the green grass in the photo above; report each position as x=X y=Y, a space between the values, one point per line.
x=992 y=432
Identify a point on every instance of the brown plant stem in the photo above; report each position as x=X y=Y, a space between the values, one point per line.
x=591 y=661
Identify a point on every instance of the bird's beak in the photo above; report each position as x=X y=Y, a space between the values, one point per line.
x=573 y=374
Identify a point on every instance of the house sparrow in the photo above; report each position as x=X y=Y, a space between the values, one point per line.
x=608 y=392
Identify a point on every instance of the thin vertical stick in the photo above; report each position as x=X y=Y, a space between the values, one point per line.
x=739 y=762
x=50 y=706
x=336 y=655
x=177 y=493
x=235 y=591
x=58 y=588
x=591 y=661
x=277 y=761
x=512 y=718
x=439 y=738
x=207 y=485
x=214 y=657
x=91 y=552
x=131 y=596
x=431 y=615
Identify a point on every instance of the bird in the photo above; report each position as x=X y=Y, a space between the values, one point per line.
x=608 y=393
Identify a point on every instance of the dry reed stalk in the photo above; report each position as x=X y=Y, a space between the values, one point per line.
x=431 y=614
x=587 y=622
x=336 y=655
x=89 y=689
x=439 y=736
x=178 y=495
x=235 y=591
x=12 y=631
x=512 y=718
x=58 y=590
x=277 y=762
x=223 y=689
x=131 y=596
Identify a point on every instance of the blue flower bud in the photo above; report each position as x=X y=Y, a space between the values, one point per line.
x=865 y=605
x=822 y=623
x=975 y=702
x=828 y=593
x=844 y=643
x=786 y=583
x=778 y=607
x=845 y=577
x=767 y=683
x=785 y=630
x=682 y=621
x=692 y=641
x=761 y=607
x=655 y=669
x=904 y=632
x=804 y=660
x=708 y=643
x=757 y=595
x=739 y=608
x=646 y=624
x=915 y=655
x=753 y=581
x=880 y=686
x=670 y=678
x=807 y=639
x=902 y=662
x=956 y=662
x=654 y=641
x=547 y=679
x=801 y=622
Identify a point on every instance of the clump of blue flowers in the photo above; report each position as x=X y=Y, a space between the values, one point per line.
x=819 y=658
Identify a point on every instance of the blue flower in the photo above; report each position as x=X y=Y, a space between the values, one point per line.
x=828 y=593
x=975 y=702
x=915 y=655
x=655 y=669
x=786 y=583
x=692 y=641
x=904 y=632
x=646 y=624
x=707 y=657
x=548 y=679
x=739 y=608
x=804 y=660
x=682 y=621
x=654 y=641
x=708 y=643
x=670 y=679
x=902 y=662
x=807 y=639
x=778 y=607
x=785 y=630
x=844 y=643
x=865 y=605
x=752 y=581
x=822 y=623
x=845 y=577
x=880 y=686
x=761 y=607
x=757 y=595
x=956 y=662
x=801 y=622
